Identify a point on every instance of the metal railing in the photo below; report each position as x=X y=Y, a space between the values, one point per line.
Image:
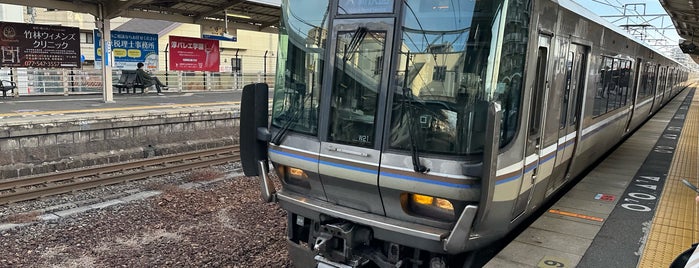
x=253 y=69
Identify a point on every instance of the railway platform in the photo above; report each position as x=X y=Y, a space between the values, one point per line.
x=40 y=134
x=27 y=108
x=631 y=210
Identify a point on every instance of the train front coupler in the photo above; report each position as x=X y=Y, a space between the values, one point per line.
x=348 y=245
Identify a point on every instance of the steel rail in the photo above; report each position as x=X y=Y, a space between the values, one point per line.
x=100 y=177
x=117 y=167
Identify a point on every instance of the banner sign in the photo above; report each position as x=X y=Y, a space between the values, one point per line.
x=220 y=37
x=194 y=54
x=129 y=49
x=39 y=46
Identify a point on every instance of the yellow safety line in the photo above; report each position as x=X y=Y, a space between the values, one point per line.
x=674 y=226
x=97 y=110
x=575 y=215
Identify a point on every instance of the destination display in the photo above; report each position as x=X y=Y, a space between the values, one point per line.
x=39 y=46
x=365 y=6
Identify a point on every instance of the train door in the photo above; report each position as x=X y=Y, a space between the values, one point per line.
x=571 y=102
x=634 y=94
x=350 y=149
x=535 y=129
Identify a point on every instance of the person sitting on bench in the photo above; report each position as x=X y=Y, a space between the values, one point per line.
x=149 y=80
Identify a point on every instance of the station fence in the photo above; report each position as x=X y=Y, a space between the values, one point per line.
x=88 y=80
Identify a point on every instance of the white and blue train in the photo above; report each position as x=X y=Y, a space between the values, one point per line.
x=411 y=133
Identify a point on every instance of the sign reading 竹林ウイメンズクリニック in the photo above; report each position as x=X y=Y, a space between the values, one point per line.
x=129 y=49
x=28 y=45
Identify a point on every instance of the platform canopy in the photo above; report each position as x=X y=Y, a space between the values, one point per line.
x=255 y=15
x=685 y=17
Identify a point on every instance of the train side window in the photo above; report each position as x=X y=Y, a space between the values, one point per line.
x=537 y=98
x=603 y=85
x=625 y=82
x=653 y=80
x=645 y=82
x=566 y=93
x=613 y=87
x=579 y=74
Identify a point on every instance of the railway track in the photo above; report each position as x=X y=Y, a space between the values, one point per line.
x=34 y=187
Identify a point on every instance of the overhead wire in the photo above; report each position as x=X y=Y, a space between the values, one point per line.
x=620 y=8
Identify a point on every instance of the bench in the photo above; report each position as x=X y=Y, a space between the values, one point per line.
x=129 y=80
x=126 y=81
x=6 y=86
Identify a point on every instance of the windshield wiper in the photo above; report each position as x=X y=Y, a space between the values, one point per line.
x=353 y=46
x=413 y=144
x=291 y=120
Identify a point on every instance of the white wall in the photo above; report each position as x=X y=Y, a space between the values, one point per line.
x=12 y=13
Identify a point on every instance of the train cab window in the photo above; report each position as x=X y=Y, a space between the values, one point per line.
x=301 y=53
x=356 y=86
x=448 y=71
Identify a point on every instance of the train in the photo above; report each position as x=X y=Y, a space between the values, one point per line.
x=414 y=133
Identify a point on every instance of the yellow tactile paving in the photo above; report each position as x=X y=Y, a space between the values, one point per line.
x=675 y=225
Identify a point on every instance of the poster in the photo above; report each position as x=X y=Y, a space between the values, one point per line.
x=39 y=46
x=194 y=54
x=129 y=49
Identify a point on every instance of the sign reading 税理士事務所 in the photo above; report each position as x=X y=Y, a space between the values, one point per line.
x=28 y=45
x=129 y=49
x=194 y=54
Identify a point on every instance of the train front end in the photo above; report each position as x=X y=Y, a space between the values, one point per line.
x=386 y=124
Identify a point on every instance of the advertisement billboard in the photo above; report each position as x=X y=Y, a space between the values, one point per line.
x=39 y=46
x=129 y=49
x=194 y=54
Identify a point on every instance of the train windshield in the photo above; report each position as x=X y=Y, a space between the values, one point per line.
x=455 y=57
x=302 y=38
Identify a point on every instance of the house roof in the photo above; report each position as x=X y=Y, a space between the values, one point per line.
x=158 y=27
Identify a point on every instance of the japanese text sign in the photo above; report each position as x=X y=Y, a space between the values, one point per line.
x=39 y=46
x=129 y=49
x=194 y=54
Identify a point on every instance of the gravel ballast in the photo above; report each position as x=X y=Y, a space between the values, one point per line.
x=212 y=224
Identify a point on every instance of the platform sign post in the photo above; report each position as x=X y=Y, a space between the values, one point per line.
x=108 y=95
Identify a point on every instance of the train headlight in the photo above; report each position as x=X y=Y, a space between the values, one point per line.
x=428 y=206
x=293 y=176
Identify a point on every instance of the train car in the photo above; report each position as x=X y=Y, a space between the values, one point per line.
x=413 y=133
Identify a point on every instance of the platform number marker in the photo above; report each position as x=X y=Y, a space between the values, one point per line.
x=550 y=261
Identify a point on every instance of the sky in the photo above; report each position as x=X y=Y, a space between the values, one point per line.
x=661 y=39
